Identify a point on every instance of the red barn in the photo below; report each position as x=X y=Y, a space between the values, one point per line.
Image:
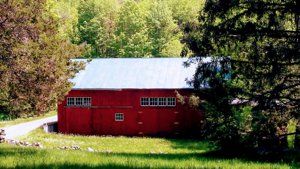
x=130 y=97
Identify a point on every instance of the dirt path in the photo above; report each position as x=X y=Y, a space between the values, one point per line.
x=15 y=131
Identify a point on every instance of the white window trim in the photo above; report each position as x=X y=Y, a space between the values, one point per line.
x=143 y=101
x=117 y=117
x=163 y=103
x=79 y=101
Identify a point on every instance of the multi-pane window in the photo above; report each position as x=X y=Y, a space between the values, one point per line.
x=158 y=101
x=162 y=101
x=79 y=101
x=144 y=101
x=171 y=101
x=153 y=101
x=119 y=117
x=87 y=101
x=70 y=101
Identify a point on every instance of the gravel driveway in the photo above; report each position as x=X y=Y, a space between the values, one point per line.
x=15 y=131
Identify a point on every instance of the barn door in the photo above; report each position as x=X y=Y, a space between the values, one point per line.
x=96 y=118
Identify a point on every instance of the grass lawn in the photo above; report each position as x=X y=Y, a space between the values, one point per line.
x=126 y=152
x=23 y=120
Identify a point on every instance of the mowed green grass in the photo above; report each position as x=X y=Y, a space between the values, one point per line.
x=126 y=152
x=7 y=123
x=28 y=158
x=119 y=144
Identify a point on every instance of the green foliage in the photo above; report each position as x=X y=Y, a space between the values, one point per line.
x=131 y=28
x=257 y=44
x=35 y=65
x=291 y=129
x=66 y=12
x=9 y=120
x=4 y=116
x=184 y=11
x=163 y=31
x=96 y=22
x=131 y=38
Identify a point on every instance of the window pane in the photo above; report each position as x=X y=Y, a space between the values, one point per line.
x=86 y=101
x=70 y=101
x=119 y=117
x=153 y=101
x=171 y=101
x=162 y=101
x=144 y=101
x=78 y=101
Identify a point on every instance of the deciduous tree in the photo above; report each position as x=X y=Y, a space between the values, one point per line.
x=35 y=60
x=131 y=38
x=164 y=33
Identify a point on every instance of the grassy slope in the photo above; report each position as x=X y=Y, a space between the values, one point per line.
x=23 y=120
x=12 y=157
x=119 y=144
x=126 y=153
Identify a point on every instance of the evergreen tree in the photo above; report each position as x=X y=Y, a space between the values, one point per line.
x=256 y=43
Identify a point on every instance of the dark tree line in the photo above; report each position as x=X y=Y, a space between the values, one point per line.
x=254 y=74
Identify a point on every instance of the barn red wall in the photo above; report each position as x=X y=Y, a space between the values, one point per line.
x=99 y=119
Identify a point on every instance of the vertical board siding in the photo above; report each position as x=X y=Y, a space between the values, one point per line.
x=99 y=119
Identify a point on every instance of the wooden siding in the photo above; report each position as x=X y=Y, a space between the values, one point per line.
x=99 y=119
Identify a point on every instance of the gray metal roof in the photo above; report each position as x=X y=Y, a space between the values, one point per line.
x=135 y=73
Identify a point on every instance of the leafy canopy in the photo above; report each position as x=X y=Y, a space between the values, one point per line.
x=35 y=65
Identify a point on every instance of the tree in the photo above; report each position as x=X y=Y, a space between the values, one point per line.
x=256 y=57
x=96 y=26
x=184 y=11
x=67 y=14
x=88 y=26
x=35 y=65
x=164 y=33
x=131 y=39
x=129 y=28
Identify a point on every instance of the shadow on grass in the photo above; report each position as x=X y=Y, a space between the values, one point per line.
x=210 y=151
x=75 y=166
x=213 y=156
x=112 y=165
x=192 y=144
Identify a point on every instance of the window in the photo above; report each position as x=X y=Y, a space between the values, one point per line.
x=171 y=101
x=158 y=101
x=119 y=117
x=153 y=101
x=162 y=101
x=86 y=101
x=70 y=101
x=144 y=101
x=79 y=101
